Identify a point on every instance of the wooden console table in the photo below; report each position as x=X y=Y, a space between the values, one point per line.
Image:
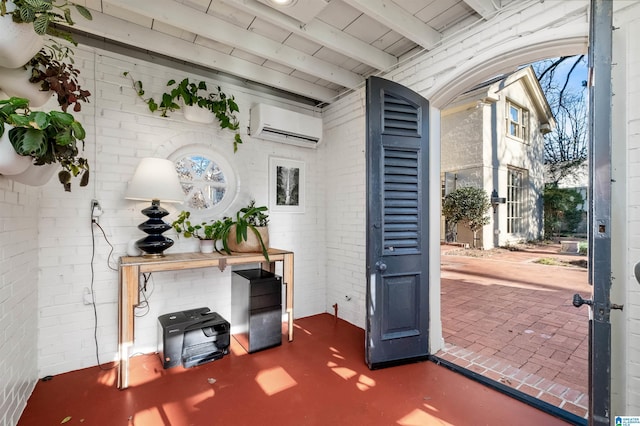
x=132 y=266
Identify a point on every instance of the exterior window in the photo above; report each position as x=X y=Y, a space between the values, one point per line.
x=207 y=179
x=515 y=200
x=517 y=121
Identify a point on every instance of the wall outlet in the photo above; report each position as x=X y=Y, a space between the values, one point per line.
x=87 y=297
x=96 y=210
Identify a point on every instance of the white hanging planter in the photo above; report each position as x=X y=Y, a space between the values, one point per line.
x=37 y=175
x=11 y=163
x=18 y=42
x=197 y=114
x=15 y=82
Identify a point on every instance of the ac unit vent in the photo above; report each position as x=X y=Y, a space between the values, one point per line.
x=280 y=125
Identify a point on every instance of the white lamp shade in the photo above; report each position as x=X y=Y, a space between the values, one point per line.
x=155 y=179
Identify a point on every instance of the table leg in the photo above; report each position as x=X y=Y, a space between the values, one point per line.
x=287 y=272
x=127 y=301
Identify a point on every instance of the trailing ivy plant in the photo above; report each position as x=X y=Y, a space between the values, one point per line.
x=224 y=107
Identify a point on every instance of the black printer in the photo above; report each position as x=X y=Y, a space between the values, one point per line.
x=192 y=337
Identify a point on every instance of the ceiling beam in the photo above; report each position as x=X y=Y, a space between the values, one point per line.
x=125 y=32
x=189 y=19
x=399 y=20
x=321 y=33
x=485 y=8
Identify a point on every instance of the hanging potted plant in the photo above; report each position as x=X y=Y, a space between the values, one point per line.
x=19 y=41
x=51 y=73
x=197 y=104
x=48 y=138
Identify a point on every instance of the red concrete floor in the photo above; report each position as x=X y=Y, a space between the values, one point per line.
x=511 y=320
x=319 y=379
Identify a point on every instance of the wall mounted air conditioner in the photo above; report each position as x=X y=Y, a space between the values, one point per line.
x=281 y=125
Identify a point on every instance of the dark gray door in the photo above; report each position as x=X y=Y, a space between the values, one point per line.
x=397 y=224
x=600 y=49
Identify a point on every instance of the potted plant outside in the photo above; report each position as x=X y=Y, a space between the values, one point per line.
x=48 y=138
x=194 y=97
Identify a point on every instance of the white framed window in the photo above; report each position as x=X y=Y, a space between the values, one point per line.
x=516 y=196
x=517 y=121
x=207 y=178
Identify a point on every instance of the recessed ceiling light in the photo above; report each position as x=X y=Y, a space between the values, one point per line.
x=283 y=3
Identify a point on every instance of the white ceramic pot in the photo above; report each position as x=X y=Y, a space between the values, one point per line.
x=196 y=114
x=18 y=42
x=15 y=82
x=11 y=163
x=37 y=175
x=207 y=246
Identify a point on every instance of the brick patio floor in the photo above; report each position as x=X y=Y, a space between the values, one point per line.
x=511 y=320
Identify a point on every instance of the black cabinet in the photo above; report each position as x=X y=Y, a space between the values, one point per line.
x=256 y=309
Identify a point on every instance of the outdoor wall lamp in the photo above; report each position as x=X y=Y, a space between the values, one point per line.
x=495 y=200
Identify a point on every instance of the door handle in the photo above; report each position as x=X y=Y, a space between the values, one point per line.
x=579 y=301
x=381 y=266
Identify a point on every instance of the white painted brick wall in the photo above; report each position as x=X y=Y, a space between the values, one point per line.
x=120 y=131
x=18 y=297
x=345 y=180
x=625 y=221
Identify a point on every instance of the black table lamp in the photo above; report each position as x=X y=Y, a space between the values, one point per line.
x=155 y=180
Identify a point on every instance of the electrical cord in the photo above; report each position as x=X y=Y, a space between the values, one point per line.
x=93 y=294
x=144 y=304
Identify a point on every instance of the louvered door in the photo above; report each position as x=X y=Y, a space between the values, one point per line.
x=397 y=224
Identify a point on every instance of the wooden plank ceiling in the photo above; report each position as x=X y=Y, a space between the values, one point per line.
x=317 y=49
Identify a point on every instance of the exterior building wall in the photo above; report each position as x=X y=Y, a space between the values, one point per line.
x=477 y=148
x=463 y=140
x=527 y=155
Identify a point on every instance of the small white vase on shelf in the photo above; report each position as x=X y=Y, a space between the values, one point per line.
x=207 y=246
x=11 y=163
x=18 y=42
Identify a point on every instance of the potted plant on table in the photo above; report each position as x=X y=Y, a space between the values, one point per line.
x=246 y=232
x=47 y=138
x=203 y=231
